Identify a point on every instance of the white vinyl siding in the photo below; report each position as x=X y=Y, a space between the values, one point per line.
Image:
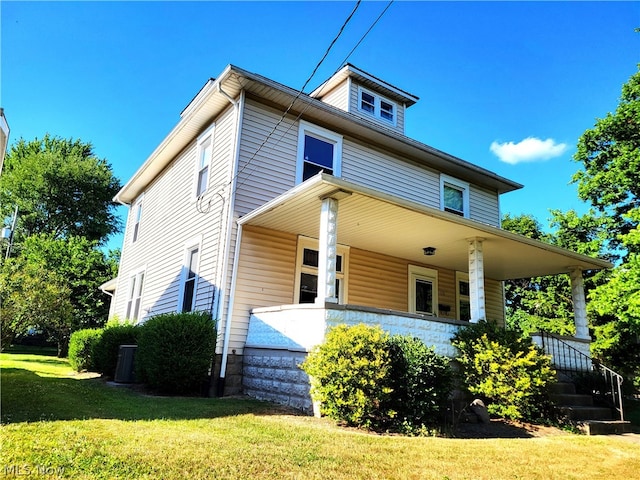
x=338 y=97
x=386 y=173
x=484 y=206
x=271 y=171
x=171 y=219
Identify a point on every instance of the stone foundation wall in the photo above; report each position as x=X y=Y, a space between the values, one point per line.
x=274 y=375
x=233 y=376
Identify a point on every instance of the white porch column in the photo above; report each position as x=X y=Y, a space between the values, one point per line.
x=579 y=303
x=327 y=251
x=476 y=280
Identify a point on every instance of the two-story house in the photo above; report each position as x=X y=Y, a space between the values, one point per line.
x=285 y=213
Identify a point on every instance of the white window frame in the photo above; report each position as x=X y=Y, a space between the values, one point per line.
x=135 y=292
x=312 y=244
x=422 y=273
x=189 y=247
x=306 y=128
x=137 y=217
x=461 y=277
x=377 y=106
x=203 y=139
x=446 y=180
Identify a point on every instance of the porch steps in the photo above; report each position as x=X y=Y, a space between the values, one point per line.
x=579 y=408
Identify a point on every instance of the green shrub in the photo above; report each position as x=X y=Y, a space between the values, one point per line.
x=82 y=348
x=108 y=347
x=422 y=382
x=175 y=351
x=363 y=377
x=506 y=369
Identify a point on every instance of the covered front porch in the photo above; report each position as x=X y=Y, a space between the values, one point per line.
x=368 y=247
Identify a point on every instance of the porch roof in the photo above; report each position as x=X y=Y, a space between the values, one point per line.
x=371 y=220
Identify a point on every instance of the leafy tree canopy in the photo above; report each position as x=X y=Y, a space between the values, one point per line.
x=60 y=187
x=610 y=158
x=83 y=268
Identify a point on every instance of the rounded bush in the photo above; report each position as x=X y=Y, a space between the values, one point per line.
x=108 y=347
x=175 y=351
x=82 y=349
x=506 y=369
x=366 y=378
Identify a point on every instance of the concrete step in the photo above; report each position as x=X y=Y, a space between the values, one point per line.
x=561 y=388
x=572 y=400
x=605 y=427
x=578 y=413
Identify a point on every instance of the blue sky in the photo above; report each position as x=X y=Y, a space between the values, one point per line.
x=508 y=86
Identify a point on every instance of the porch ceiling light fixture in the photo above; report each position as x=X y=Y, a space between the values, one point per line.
x=429 y=251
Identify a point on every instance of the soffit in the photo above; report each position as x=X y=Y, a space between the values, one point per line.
x=388 y=225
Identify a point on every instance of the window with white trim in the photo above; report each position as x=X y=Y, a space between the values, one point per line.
x=463 y=302
x=204 y=154
x=137 y=216
x=189 y=283
x=376 y=105
x=454 y=196
x=306 y=286
x=134 y=295
x=423 y=290
x=319 y=150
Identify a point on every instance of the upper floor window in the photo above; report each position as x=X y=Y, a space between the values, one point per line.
x=376 y=105
x=454 y=196
x=137 y=215
x=205 y=152
x=319 y=150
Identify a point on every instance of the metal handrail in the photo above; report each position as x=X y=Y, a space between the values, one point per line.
x=572 y=362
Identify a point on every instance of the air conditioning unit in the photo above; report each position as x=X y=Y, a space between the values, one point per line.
x=126 y=362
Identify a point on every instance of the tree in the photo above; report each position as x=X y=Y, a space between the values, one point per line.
x=60 y=187
x=33 y=297
x=617 y=305
x=83 y=268
x=610 y=158
x=545 y=303
x=610 y=180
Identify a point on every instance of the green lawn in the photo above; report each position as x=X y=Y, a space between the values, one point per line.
x=59 y=424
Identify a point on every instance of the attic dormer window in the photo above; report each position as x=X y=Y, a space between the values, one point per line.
x=377 y=106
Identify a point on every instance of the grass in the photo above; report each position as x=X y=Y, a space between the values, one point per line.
x=60 y=424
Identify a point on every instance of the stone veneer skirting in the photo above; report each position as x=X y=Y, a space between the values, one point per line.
x=274 y=375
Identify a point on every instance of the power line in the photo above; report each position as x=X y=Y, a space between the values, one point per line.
x=300 y=92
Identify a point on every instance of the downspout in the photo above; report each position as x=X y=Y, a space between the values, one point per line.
x=227 y=329
x=226 y=319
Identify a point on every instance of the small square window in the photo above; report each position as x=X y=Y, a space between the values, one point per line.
x=386 y=110
x=368 y=102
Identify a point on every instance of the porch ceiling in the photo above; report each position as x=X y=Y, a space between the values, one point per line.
x=377 y=222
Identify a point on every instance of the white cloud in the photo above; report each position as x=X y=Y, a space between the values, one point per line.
x=528 y=150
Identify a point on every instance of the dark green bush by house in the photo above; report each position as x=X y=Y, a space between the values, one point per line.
x=364 y=377
x=422 y=382
x=82 y=348
x=108 y=347
x=175 y=351
x=506 y=369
